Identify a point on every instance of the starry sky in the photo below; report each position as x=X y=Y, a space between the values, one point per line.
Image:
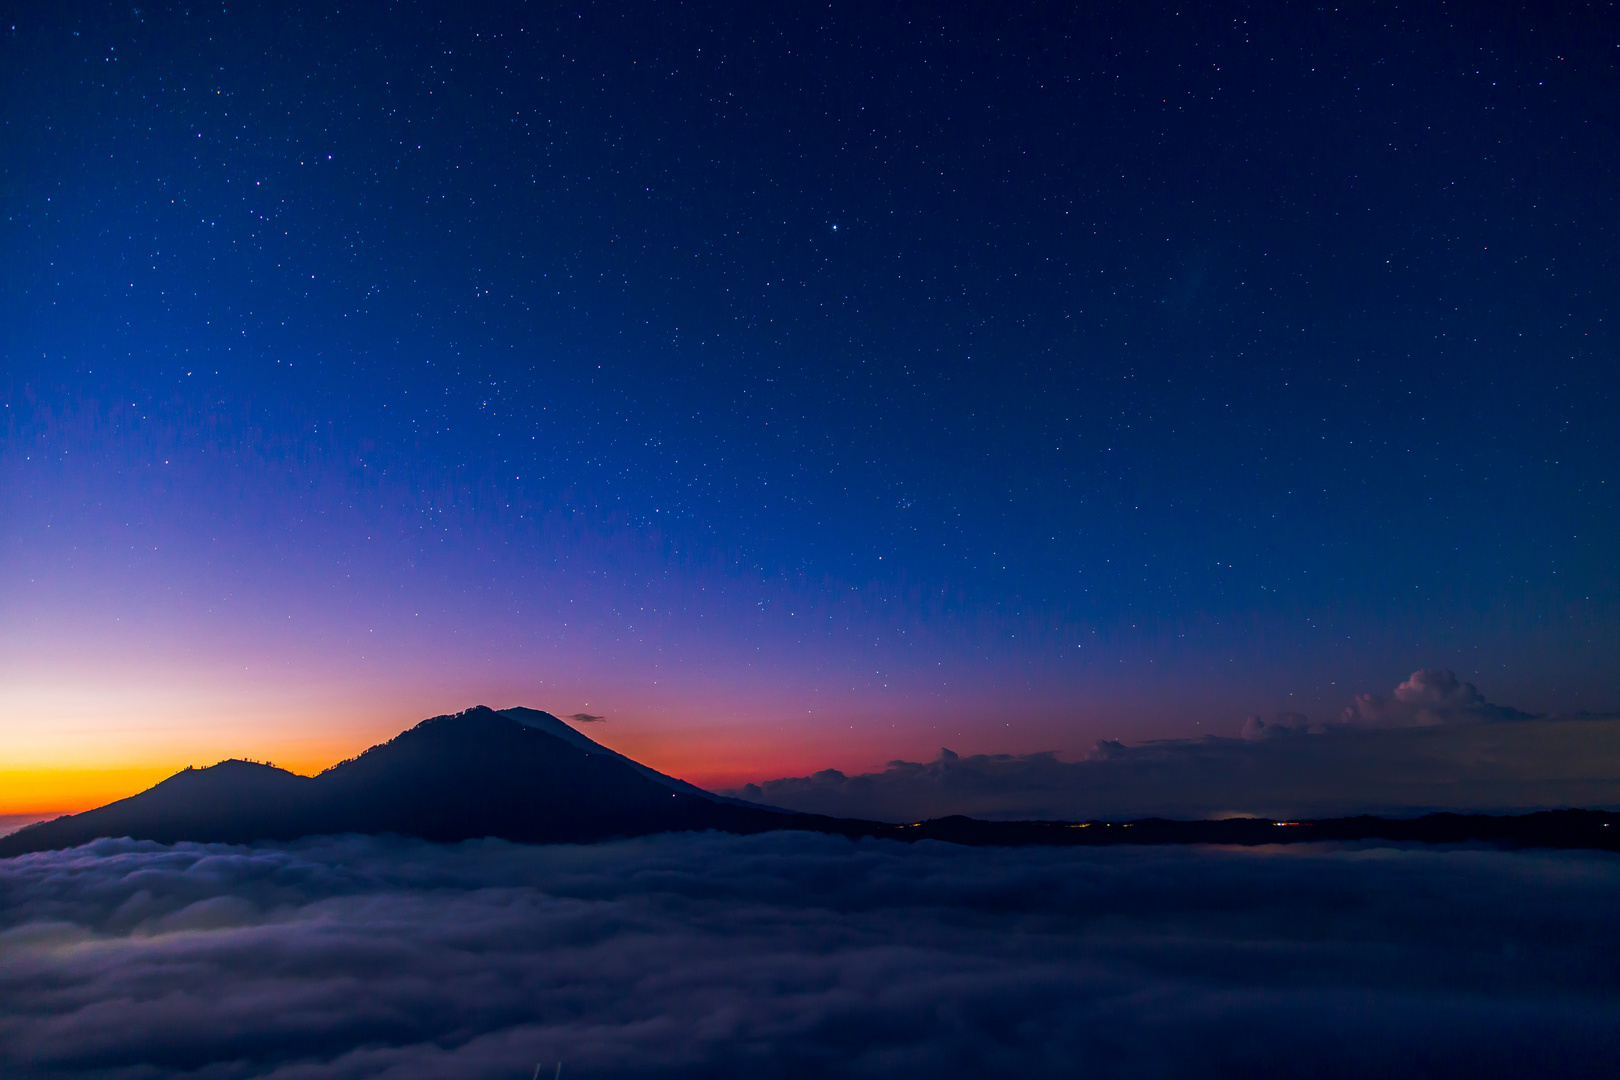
x=794 y=385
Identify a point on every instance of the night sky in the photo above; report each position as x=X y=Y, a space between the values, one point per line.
x=794 y=385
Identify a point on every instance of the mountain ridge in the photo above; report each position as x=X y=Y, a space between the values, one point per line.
x=550 y=724
x=487 y=773
x=480 y=772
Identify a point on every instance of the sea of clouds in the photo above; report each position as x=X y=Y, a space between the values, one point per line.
x=792 y=954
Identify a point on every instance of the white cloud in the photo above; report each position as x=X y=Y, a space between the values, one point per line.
x=1430 y=698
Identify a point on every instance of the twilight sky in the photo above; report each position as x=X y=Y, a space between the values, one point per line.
x=796 y=386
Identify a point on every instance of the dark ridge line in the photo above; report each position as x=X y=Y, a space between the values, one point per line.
x=523 y=775
x=1572 y=828
x=1546 y=829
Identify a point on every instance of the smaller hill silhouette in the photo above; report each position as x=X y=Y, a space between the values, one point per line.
x=524 y=775
x=234 y=802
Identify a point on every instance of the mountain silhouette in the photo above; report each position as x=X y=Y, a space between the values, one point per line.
x=517 y=774
x=544 y=721
x=524 y=775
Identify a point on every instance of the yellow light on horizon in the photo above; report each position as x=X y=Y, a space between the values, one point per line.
x=70 y=791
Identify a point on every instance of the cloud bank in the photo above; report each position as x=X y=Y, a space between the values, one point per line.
x=1435 y=744
x=799 y=955
x=1432 y=697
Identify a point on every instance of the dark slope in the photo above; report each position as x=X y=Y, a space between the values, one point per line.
x=1546 y=829
x=482 y=773
x=544 y=721
x=473 y=774
x=233 y=802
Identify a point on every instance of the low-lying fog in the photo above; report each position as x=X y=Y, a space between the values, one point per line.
x=803 y=955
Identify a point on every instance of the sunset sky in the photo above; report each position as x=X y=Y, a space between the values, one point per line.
x=805 y=388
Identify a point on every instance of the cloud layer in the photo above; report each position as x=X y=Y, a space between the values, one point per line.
x=1435 y=744
x=1513 y=766
x=789 y=955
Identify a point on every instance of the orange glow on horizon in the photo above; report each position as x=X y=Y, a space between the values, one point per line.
x=711 y=759
x=52 y=792
x=64 y=789
x=67 y=747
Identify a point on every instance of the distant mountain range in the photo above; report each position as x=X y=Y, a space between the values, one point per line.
x=524 y=775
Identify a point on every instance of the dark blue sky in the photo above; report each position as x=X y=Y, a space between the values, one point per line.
x=1272 y=347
